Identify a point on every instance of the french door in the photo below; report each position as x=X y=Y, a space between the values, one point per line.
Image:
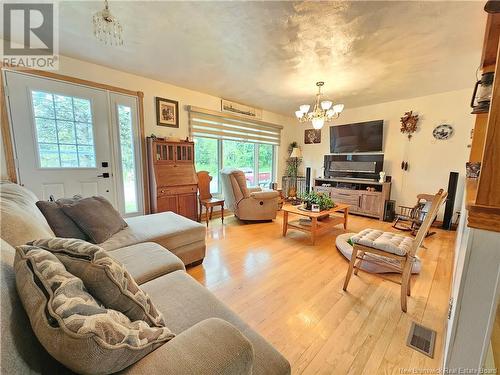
x=72 y=139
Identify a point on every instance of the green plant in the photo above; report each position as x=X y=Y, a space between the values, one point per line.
x=322 y=200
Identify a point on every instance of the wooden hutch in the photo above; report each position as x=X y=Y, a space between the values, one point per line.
x=172 y=177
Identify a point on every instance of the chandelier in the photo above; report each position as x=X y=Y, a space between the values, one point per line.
x=323 y=110
x=107 y=28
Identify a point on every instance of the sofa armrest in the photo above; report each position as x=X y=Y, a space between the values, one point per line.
x=211 y=347
x=269 y=194
x=253 y=189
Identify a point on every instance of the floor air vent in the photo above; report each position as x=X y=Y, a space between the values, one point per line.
x=422 y=339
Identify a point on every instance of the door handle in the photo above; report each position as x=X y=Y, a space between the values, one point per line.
x=104 y=175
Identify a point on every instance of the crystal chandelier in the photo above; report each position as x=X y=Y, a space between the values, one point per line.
x=106 y=27
x=323 y=111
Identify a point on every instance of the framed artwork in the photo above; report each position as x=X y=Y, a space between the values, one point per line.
x=167 y=112
x=312 y=136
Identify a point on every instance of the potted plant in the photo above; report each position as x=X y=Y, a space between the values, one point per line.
x=322 y=200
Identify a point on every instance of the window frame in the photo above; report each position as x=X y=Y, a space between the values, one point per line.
x=220 y=160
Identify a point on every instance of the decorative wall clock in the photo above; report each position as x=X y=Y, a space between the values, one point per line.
x=443 y=132
x=409 y=123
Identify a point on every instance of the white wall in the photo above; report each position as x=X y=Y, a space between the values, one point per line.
x=430 y=160
x=151 y=89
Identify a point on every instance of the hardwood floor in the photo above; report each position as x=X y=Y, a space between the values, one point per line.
x=291 y=293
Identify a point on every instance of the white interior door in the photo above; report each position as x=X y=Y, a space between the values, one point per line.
x=61 y=136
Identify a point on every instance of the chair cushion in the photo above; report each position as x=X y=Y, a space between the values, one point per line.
x=96 y=217
x=166 y=228
x=185 y=302
x=239 y=178
x=104 y=277
x=147 y=261
x=60 y=223
x=385 y=241
x=72 y=326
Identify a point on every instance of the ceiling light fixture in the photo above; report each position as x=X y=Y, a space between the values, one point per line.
x=107 y=28
x=323 y=111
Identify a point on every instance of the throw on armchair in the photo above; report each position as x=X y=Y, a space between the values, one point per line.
x=247 y=203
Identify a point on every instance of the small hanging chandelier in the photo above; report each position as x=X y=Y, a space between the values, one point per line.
x=107 y=28
x=323 y=110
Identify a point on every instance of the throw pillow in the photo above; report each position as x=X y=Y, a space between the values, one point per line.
x=104 y=277
x=96 y=217
x=60 y=223
x=69 y=322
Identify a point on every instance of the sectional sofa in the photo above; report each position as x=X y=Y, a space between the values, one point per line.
x=210 y=338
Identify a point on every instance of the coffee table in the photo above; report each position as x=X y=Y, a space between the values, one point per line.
x=329 y=219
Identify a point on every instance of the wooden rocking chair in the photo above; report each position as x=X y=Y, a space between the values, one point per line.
x=410 y=219
x=405 y=258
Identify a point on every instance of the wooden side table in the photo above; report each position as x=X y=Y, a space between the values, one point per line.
x=316 y=226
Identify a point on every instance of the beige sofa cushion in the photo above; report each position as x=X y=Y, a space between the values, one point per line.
x=147 y=261
x=166 y=228
x=72 y=326
x=20 y=220
x=104 y=277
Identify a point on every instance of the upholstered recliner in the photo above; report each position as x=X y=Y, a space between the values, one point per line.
x=247 y=203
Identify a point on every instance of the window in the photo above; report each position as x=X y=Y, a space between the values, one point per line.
x=254 y=159
x=127 y=154
x=64 y=131
x=206 y=151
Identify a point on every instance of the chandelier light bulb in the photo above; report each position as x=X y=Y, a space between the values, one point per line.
x=331 y=113
x=338 y=108
x=318 y=122
x=326 y=104
x=299 y=114
x=304 y=108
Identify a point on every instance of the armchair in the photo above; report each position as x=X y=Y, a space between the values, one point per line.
x=247 y=203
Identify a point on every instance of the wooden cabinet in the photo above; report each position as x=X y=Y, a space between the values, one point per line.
x=361 y=201
x=172 y=178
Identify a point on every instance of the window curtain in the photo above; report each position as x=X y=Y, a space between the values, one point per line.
x=219 y=125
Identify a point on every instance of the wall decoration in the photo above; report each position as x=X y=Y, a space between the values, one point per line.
x=443 y=132
x=240 y=109
x=312 y=136
x=409 y=124
x=167 y=112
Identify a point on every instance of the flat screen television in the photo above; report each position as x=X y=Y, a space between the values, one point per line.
x=359 y=137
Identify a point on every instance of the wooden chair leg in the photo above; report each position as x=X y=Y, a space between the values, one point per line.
x=199 y=211
x=206 y=214
x=351 y=266
x=222 y=212
x=404 y=284
x=211 y=212
x=356 y=267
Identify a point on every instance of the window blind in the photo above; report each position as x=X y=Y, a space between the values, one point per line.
x=220 y=125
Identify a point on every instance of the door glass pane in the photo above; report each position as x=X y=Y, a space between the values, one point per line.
x=129 y=175
x=240 y=155
x=207 y=159
x=64 y=131
x=265 y=164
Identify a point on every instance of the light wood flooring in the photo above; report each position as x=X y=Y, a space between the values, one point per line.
x=291 y=293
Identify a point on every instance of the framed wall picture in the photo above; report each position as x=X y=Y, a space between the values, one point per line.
x=312 y=136
x=167 y=112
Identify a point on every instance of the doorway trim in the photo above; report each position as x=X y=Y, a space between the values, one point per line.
x=6 y=125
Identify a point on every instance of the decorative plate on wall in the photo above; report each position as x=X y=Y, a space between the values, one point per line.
x=443 y=131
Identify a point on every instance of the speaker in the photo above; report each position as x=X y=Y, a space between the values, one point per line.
x=450 y=200
x=308 y=179
x=389 y=210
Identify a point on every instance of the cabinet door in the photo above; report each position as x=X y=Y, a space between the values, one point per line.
x=167 y=203
x=185 y=153
x=370 y=204
x=165 y=153
x=187 y=206
x=349 y=198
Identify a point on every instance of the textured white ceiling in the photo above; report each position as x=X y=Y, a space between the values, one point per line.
x=270 y=54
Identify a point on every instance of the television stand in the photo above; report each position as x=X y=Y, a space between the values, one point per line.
x=354 y=192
